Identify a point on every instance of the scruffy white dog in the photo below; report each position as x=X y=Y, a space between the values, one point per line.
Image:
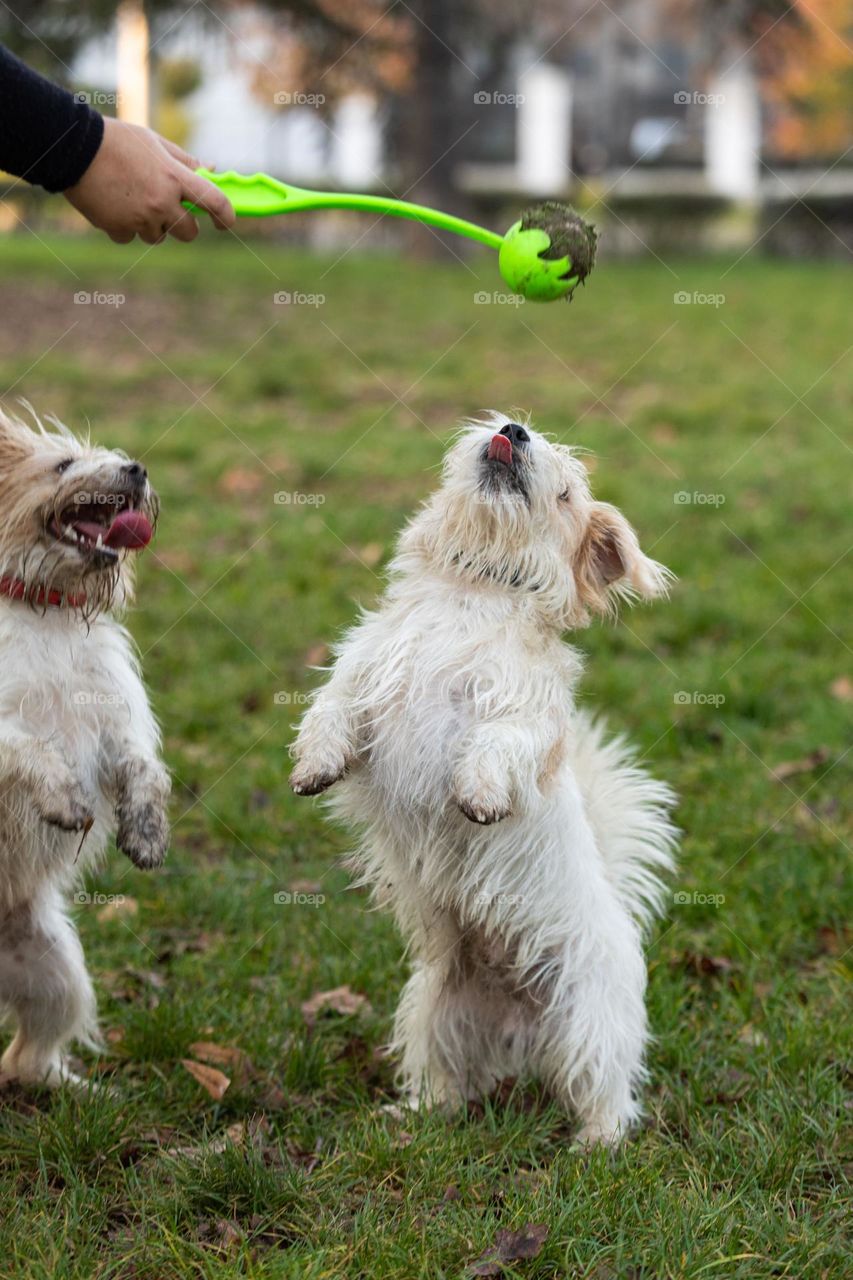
x=79 y=747
x=520 y=850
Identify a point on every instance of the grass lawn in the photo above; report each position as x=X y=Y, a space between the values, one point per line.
x=342 y=409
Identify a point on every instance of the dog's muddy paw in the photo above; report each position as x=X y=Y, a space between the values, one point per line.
x=143 y=834
x=69 y=809
x=485 y=813
x=305 y=781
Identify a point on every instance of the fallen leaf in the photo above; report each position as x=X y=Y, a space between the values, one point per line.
x=750 y=1035
x=224 y=1233
x=213 y=1081
x=177 y=942
x=239 y=480
x=340 y=1000
x=833 y=941
x=842 y=689
x=735 y=1084
x=371 y=554
x=511 y=1246
x=306 y=886
x=788 y=768
x=220 y=1055
x=707 y=966
x=664 y=433
x=115 y=910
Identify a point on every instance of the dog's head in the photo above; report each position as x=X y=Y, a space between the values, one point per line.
x=516 y=510
x=69 y=513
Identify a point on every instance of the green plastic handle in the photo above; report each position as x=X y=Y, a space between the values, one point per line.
x=257 y=195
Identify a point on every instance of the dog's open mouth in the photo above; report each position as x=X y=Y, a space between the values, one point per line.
x=103 y=525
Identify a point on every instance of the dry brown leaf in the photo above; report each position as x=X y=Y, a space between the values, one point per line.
x=370 y=554
x=842 y=689
x=214 y=1082
x=338 y=1000
x=788 y=768
x=750 y=1035
x=177 y=942
x=511 y=1246
x=239 y=481
x=306 y=886
x=707 y=966
x=220 y=1055
x=122 y=905
x=832 y=941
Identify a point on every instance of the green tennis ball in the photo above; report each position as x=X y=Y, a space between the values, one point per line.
x=548 y=252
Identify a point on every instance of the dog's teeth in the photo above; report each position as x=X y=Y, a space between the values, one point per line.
x=99 y=544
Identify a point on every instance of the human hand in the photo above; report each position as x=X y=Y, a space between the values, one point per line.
x=135 y=185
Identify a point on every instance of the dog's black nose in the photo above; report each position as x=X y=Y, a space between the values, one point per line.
x=135 y=472
x=517 y=435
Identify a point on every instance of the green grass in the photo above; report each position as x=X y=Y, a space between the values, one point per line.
x=232 y=399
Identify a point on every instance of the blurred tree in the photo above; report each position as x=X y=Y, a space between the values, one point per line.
x=809 y=82
x=801 y=50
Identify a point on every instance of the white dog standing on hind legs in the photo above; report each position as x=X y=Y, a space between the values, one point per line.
x=79 y=746
x=520 y=851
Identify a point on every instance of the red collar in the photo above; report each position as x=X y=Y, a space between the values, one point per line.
x=16 y=589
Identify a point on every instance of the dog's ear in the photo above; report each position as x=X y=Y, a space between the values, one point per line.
x=609 y=564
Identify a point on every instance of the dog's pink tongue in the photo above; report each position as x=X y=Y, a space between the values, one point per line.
x=501 y=448
x=131 y=530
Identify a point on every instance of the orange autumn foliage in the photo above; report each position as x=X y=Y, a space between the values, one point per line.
x=808 y=80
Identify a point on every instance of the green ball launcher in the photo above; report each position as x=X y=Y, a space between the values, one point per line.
x=543 y=256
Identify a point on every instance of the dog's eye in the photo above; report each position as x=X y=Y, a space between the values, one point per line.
x=564 y=496
x=63 y=465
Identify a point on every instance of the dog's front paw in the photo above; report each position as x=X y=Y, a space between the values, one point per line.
x=143 y=833
x=485 y=809
x=309 y=779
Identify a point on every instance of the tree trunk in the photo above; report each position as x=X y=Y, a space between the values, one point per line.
x=433 y=127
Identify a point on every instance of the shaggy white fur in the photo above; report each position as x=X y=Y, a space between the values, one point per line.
x=520 y=852
x=79 y=746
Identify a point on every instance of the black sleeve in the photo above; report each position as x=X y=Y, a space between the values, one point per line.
x=47 y=135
